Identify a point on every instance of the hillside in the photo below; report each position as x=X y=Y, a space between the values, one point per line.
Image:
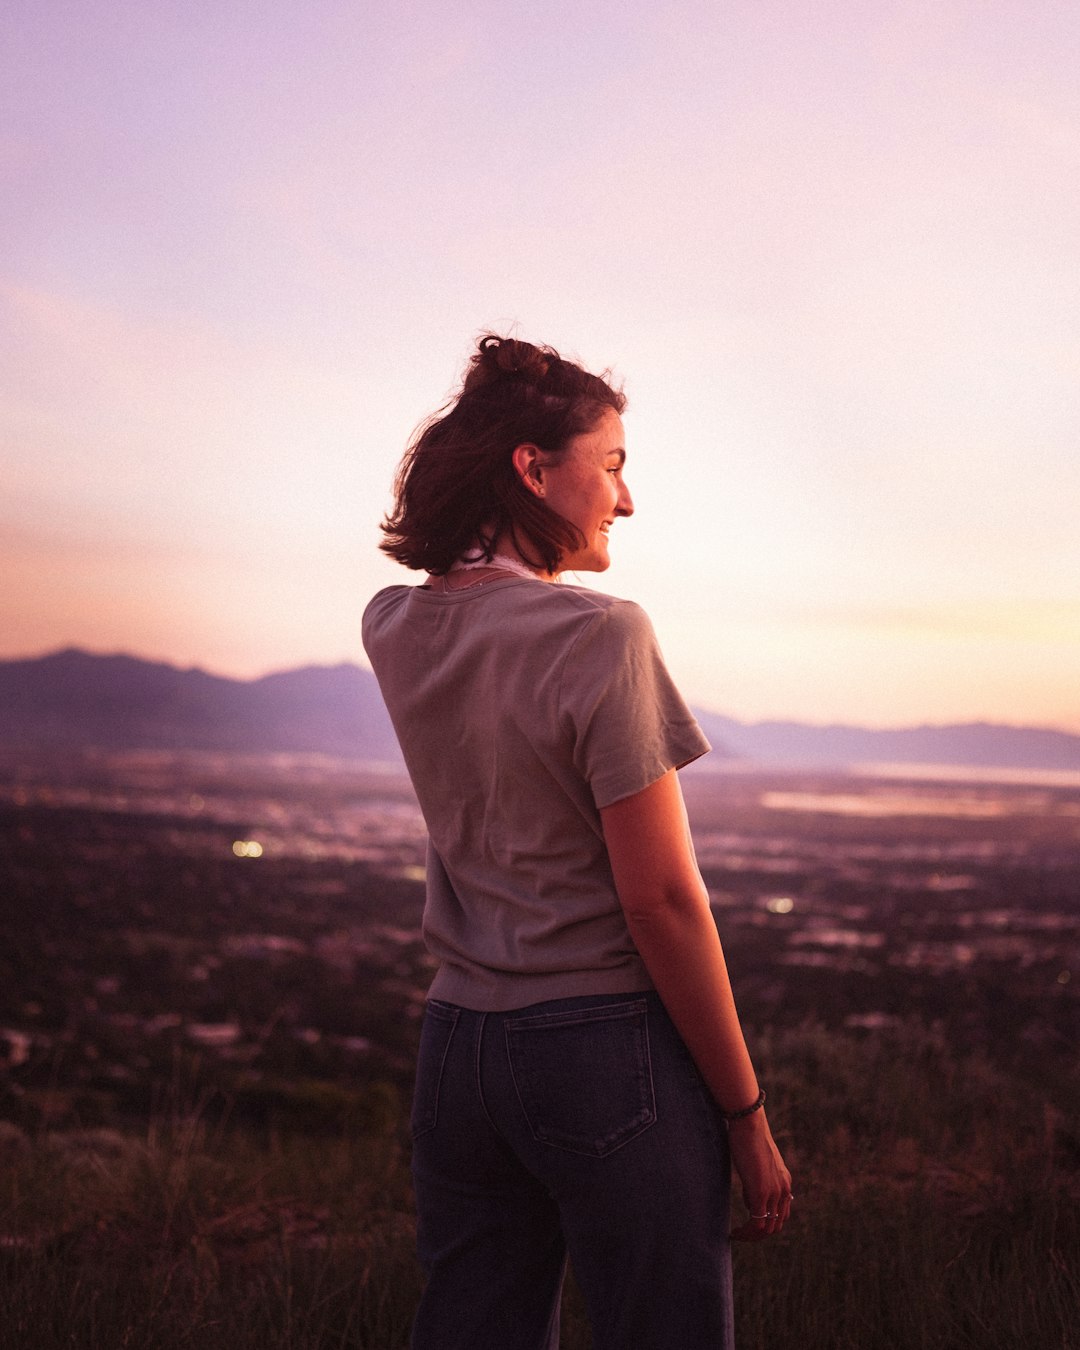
x=74 y=699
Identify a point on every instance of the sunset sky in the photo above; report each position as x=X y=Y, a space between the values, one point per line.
x=832 y=250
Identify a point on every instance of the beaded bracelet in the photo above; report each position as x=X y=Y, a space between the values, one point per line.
x=747 y=1110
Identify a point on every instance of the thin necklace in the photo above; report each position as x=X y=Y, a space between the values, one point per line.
x=500 y=563
x=501 y=560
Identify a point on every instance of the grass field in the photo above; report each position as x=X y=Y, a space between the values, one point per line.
x=205 y=1058
x=938 y=1208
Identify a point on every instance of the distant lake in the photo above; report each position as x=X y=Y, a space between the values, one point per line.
x=965 y=773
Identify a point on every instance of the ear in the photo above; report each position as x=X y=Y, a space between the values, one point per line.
x=527 y=461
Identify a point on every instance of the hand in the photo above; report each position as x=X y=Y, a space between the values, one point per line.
x=765 y=1180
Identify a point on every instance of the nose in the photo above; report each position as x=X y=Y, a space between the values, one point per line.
x=625 y=505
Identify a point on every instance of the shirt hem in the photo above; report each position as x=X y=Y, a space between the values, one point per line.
x=503 y=991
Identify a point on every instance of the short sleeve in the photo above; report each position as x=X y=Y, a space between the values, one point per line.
x=628 y=721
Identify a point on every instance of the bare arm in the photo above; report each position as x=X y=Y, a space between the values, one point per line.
x=667 y=910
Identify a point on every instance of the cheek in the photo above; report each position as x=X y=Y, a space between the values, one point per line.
x=578 y=498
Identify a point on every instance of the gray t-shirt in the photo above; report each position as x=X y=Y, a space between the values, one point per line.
x=523 y=707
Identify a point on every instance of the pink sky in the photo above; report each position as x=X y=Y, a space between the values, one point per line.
x=833 y=251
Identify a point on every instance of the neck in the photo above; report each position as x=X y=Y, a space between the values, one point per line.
x=503 y=562
x=505 y=553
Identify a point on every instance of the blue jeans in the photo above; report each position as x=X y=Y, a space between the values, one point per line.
x=581 y=1126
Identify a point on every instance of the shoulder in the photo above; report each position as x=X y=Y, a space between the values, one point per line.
x=381 y=608
x=561 y=618
x=389 y=598
x=604 y=618
x=588 y=606
x=600 y=639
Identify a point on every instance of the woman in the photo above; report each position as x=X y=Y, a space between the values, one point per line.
x=582 y=1073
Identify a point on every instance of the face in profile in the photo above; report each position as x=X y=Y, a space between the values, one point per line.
x=586 y=487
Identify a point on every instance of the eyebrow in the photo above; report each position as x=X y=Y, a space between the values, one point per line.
x=621 y=453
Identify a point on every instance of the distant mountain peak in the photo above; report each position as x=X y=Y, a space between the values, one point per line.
x=75 y=699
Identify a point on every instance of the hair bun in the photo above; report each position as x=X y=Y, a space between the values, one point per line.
x=498 y=357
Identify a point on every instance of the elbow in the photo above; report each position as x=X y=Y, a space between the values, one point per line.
x=663 y=906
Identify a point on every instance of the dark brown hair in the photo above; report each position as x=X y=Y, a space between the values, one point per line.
x=457 y=487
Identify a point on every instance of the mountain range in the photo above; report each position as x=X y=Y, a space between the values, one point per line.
x=72 y=699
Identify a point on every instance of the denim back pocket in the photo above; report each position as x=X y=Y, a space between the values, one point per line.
x=440 y=1019
x=584 y=1076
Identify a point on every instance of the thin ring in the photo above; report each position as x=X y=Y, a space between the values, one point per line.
x=761 y=1216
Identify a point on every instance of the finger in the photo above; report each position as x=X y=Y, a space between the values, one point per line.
x=781 y=1211
x=774 y=1215
x=757 y=1225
